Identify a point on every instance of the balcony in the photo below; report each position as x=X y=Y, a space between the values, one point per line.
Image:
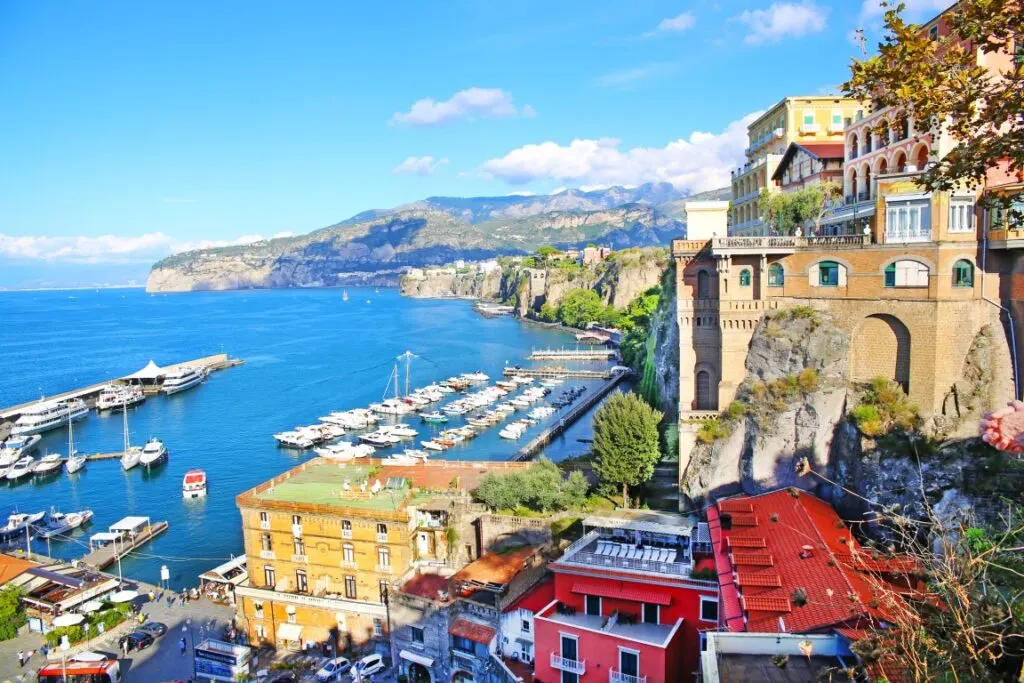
x=809 y=129
x=657 y=635
x=610 y=552
x=836 y=128
x=572 y=666
x=619 y=677
x=382 y=537
x=383 y=569
x=462 y=657
x=267 y=555
x=265 y=524
x=297 y=530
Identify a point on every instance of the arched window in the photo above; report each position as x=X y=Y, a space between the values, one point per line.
x=906 y=274
x=703 y=391
x=828 y=274
x=776 y=276
x=901 y=162
x=963 y=273
x=745 y=277
x=922 y=158
x=702 y=284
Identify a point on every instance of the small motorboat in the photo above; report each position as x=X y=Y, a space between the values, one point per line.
x=434 y=418
x=20 y=469
x=378 y=439
x=17 y=446
x=401 y=430
x=153 y=453
x=58 y=523
x=432 y=445
x=415 y=453
x=49 y=464
x=193 y=485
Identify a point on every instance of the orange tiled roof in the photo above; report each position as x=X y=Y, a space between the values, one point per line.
x=13 y=567
x=478 y=633
x=497 y=568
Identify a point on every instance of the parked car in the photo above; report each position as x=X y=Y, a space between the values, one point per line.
x=136 y=640
x=285 y=677
x=153 y=628
x=366 y=667
x=333 y=669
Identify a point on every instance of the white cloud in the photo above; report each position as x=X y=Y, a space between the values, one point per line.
x=419 y=165
x=114 y=249
x=782 y=19
x=465 y=104
x=677 y=24
x=701 y=162
x=630 y=78
x=913 y=7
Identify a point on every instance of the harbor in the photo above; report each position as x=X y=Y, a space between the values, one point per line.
x=590 y=354
x=120 y=540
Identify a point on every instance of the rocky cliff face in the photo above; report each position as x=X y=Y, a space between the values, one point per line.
x=440 y=284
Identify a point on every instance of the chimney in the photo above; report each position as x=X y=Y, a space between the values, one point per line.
x=806 y=552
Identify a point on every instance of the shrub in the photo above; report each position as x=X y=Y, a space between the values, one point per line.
x=548 y=313
x=704 y=574
x=808 y=380
x=540 y=488
x=712 y=430
x=736 y=410
x=12 y=614
x=885 y=408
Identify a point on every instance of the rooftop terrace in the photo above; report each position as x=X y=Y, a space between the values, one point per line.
x=652 y=634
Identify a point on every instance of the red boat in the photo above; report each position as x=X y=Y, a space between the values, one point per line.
x=194 y=484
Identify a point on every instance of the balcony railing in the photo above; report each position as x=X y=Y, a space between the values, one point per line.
x=300 y=559
x=382 y=538
x=297 y=530
x=348 y=564
x=383 y=569
x=863 y=196
x=619 y=677
x=267 y=555
x=346 y=533
x=572 y=666
x=809 y=128
x=265 y=524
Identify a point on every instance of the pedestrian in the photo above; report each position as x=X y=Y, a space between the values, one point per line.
x=43 y=651
x=124 y=645
x=21 y=658
x=181 y=646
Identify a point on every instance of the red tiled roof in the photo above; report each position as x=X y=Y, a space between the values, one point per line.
x=748 y=542
x=535 y=599
x=837 y=593
x=425 y=586
x=761 y=603
x=735 y=505
x=609 y=590
x=478 y=633
x=13 y=567
x=825 y=150
x=740 y=519
x=497 y=568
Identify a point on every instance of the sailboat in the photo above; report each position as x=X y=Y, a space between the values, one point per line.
x=132 y=454
x=75 y=461
x=344 y=295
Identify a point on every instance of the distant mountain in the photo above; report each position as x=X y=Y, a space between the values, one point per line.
x=374 y=246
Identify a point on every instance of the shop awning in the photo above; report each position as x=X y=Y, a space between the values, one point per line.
x=606 y=591
x=289 y=632
x=416 y=659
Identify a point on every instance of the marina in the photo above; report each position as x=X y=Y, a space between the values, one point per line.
x=123 y=537
x=555 y=372
x=575 y=354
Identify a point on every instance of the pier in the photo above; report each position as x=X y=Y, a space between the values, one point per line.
x=122 y=540
x=614 y=376
x=558 y=371
x=212 y=363
x=574 y=354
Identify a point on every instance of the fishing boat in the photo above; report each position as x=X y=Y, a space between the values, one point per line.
x=432 y=445
x=193 y=485
x=18 y=529
x=16 y=446
x=132 y=454
x=434 y=418
x=20 y=469
x=119 y=397
x=58 y=523
x=48 y=415
x=153 y=453
x=48 y=465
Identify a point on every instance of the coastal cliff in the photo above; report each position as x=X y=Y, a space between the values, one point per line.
x=374 y=246
x=446 y=283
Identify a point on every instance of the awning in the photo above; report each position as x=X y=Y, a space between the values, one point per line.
x=631 y=595
x=416 y=659
x=670 y=527
x=151 y=371
x=289 y=632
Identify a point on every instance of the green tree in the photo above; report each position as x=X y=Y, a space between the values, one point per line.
x=579 y=307
x=500 y=492
x=545 y=250
x=12 y=614
x=548 y=313
x=626 y=442
x=575 y=489
x=941 y=84
x=542 y=489
x=787 y=211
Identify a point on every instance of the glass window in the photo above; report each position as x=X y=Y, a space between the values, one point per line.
x=525 y=626
x=301 y=584
x=808 y=118
x=348 y=553
x=776 y=275
x=269 y=577
x=296 y=519
x=416 y=634
x=299 y=545
x=264 y=517
x=828 y=274
x=378 y=628
x=961 y=215
x=266 y=542
x=837 y=118
x=708 y=609
x=462 y=644
x=258 y=609
x=593 y=604
x=963 y=274
x=382 y=529
x=346 y=528
x=745 y=278
x=350 y=587
x=291 y=614
x=906 y=274
x=650 y=613
x=383 y=557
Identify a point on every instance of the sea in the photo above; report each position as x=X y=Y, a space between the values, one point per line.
x=306 y=352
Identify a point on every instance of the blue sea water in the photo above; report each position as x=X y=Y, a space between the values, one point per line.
x=306 y=353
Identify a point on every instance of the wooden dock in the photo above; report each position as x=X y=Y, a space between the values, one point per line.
x=101 y=558
x=574 y=354
x=558 y=372
x=89 y=393
x=576 y=412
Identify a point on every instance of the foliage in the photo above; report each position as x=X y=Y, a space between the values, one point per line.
x=548 y=313
x=579 y=307
x=546 y=250
x=539 y=488
x=12 y=614
x=942 y=86
x=786 y=211
x=713 y=429
x=704 y=574
x=884 y=408
x=568 y=528
x=626 y=443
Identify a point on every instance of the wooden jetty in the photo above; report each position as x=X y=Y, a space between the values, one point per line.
x=106 y=555
x=574 y=354
x=590 y=399
x=558 y=372
x=89 y=393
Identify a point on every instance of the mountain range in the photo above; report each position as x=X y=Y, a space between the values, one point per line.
x=372 y=247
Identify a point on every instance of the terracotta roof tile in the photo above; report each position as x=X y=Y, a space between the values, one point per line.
x=735 y=505
x=753 y=559
x=13 y=567
x=496 y=568
x=478 y=633
x=746 y=542
x=745 y=579
x=741 y=519
x=761 y=603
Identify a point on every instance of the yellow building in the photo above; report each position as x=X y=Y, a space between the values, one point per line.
x=794 y=119
x=324 y=540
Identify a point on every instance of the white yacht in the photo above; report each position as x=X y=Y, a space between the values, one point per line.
x=402 y=430
x=153 y=453
x=119 y=397
x=391 y=406
x=47 y=465
x=193 y=485
x=16 y=446
x=20 y=469
x=18 y=527
x=181 y=379
x=432 y=445
x=48 y=415
x=132 y=454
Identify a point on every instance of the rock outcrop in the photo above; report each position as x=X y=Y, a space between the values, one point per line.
x=447 y=283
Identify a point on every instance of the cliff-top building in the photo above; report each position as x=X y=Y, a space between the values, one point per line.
x=804 y=120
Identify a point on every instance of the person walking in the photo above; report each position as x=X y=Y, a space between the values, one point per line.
x=21 y=659
x=181 y=646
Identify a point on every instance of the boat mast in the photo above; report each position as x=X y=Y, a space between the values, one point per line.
x=124 y=412
x=71 y=437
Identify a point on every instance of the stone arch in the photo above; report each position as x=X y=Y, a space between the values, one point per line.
x=920 y=157
x=704 y=395
x=854 y=146
x=419 y=673
x=881 y=348
x=899 y=161
x=703 y=284
x=461 y=676
x=853 y=182
x=865 y=178
x=882 y=166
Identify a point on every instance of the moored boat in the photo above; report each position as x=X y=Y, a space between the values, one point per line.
x=181 y=379
x=16 y=446
x=434 y=418
x=119 y=397
x=432 y=445
x=48 y=415
x=49 y=464
x=59 y=523
x=193 y=485
x=22 y=468
x=153 y=453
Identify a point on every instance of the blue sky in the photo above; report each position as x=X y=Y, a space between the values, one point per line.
x=131 y=129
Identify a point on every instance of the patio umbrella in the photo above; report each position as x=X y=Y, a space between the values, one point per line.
x=68 y=620
x=89 y=607
x=124 y=596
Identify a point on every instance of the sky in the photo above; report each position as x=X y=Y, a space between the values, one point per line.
x=130 y=130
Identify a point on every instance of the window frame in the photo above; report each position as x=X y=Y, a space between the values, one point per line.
x=383 y=556
x=963 y=265
x=266 y=542
x=301 y=581
x=831 y=266
x=643 y=612
x=745 y=277
x=269 y=576
x=895 y=268
x=774 y=270
x=298 y=545
x=351 y=587
x=961 y=216
x=705 y=600
x=348 y=553
x=586 y=604
x=378 y=627
x=417 y=634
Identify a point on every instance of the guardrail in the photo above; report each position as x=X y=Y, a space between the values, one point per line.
x=570 y=665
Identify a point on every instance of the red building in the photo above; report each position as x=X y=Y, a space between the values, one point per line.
x=626 y=608
x=809 y=163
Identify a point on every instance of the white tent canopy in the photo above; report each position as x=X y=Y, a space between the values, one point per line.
x=151 y=371
x=70 y=619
